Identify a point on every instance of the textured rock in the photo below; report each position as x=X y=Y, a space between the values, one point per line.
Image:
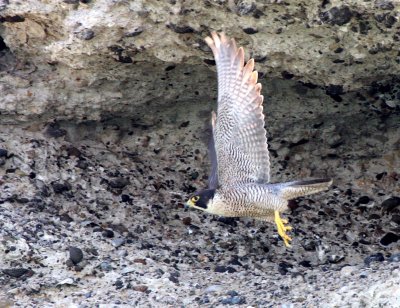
x=177 y=261
x=91 y=59
x=15 y=272
x=75 y=254
x=113 y=100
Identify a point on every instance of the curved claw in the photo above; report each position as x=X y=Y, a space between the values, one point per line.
x=280 y=224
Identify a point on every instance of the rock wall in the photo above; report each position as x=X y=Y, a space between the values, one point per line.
x=87 y=60
x=104 y=121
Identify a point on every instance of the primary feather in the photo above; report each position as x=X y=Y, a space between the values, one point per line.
x=239 y=136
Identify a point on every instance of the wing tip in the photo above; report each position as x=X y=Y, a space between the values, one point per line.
x=223 y=46
x=220 y=43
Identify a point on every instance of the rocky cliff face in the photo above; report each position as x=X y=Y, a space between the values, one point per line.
x=89 y=59
x=104 y=121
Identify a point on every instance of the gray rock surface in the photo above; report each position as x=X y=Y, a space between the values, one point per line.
x=116 y=189
x=87 y=59
x=104 y=122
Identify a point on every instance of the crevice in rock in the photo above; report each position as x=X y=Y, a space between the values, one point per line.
x=3 y=45
x=6 y=56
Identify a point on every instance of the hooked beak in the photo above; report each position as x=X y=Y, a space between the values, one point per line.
x=189 y=204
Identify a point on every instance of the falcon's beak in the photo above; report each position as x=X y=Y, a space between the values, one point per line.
x=189 y=204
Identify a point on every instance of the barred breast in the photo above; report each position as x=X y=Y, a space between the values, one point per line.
x=247 y=200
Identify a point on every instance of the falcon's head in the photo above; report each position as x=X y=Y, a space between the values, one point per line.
x=201 y=200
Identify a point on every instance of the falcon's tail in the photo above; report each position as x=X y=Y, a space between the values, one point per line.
x=292 y=190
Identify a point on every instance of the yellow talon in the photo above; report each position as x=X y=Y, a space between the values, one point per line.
x=280 y=224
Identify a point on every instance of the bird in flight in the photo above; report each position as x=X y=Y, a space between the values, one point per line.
x=239 y=183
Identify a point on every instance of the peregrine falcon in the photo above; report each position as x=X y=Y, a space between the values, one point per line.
x=240 y=172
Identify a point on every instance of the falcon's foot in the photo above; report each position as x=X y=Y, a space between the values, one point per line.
x=280 y=224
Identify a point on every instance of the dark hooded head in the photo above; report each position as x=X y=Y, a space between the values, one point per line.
x=201 y=199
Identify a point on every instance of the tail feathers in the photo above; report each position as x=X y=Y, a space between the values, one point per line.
x=295 y=189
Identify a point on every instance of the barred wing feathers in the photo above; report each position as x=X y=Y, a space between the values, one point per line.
x=240 y=138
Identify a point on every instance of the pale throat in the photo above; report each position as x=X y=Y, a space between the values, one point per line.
x=216 y=206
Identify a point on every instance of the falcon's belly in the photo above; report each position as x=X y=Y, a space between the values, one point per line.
x=247 y=200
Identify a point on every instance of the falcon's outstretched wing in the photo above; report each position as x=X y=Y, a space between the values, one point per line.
x=239 y=135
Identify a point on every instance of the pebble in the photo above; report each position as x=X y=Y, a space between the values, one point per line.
x=396 y=219
x=234 y=300
x=187 y=221
x=73 y=151
x=390 y=204
x=86 y=34
x=118 y=183
x=59 y=187
x=140 y=288
x=245 y=7
x=122 y=253
x=108 y=233
x=384 y=4
x=54 y=130
x=232 y=293
x=15 y=272
x=214 y=288
x=194 y=175
x=127 y=270
x=139 y=260
x=119 y=241
x=82 y=164
x=284 y=267
x=119 y=228
x=305 y=263
x=373 y=216
x=335 y=258
x=174 y=277
x=308 y=245
x=65 y=217
x=119 y=284
x=75 y=254
x=394 y=258
x=134 y=32
x=67 y=281
x=337 y=15
x=3 y=153
x=363 y=200
x=250 y=30
x=363 y=275
x=204 y=300
x=391 y=103
x=389 y=238
x=223 y=269
x=228 y=221
x=348 y=270
x=181 y=29
x=235 y=260
x=127 y=199
x=105 y=266
x=377 y=257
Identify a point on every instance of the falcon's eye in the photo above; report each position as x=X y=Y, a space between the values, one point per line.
x=195 y=198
